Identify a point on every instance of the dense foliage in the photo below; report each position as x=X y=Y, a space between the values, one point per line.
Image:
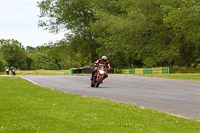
x=2 y=66
x=12 y=53
x=132 y=33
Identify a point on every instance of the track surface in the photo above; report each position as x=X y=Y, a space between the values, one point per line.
x=176 y=97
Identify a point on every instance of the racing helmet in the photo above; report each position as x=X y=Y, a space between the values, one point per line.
x=104 y=58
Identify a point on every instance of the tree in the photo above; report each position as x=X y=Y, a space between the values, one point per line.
x=74 y=16
x=14 y=53
x=31 y=61
x=148 y=33
x=45 y=62
x=2 y=66
x=184 y=20
x=132 y=33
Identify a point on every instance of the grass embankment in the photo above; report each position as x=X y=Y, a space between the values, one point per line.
x=25 y=107
x=40 y=72
x=191 y=77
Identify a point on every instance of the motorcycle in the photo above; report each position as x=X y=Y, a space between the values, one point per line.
x=99 y=75
x=13 y=71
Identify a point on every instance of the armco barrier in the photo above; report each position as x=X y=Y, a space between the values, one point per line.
x=73 y=70
x=138 y=70
x=87 y=70
x=81 y=70
x=157 y=70
x=165 y=70
x=126 y=71
x=154 y=70
x=147 y=70
x=122 y=71
x=132 y=71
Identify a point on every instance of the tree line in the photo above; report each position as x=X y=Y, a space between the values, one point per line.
x=13 y=53
x=131 y=33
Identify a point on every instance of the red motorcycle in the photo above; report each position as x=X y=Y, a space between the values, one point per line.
x=99 y=75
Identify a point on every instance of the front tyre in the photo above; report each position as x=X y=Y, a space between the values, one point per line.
x=93 y=81
x=98 y=81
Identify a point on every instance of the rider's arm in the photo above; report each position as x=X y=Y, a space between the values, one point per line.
x=96 y=63
x=108 y=65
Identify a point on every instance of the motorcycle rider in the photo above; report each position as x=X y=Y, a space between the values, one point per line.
x=102 y=61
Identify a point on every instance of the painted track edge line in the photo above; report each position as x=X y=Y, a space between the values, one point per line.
x=29 y=80
x=180 y=116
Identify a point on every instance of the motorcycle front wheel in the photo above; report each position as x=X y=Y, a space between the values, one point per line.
x=98 y=81
x=93 y=82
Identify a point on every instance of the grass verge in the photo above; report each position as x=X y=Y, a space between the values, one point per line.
x=27 y=108
x=191 y=77
x=40 y=72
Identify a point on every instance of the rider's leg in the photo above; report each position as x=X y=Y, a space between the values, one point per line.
x=92 y=74
x=105 y=76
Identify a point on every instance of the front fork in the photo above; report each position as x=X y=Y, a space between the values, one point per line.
x=101 y=77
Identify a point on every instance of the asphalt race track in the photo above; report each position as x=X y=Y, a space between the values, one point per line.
x=176 y=97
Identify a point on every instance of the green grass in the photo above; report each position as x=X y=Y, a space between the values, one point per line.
x=192 y=77
x=40 y=72
x=27 y=108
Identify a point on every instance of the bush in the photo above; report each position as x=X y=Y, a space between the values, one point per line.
x=2 y=66
x=117 y=70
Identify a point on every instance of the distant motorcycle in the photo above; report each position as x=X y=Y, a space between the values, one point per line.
x=13 y=71
x=99 y=75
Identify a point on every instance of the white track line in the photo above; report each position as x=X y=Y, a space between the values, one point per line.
x=167 y=113
x=29 y=80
